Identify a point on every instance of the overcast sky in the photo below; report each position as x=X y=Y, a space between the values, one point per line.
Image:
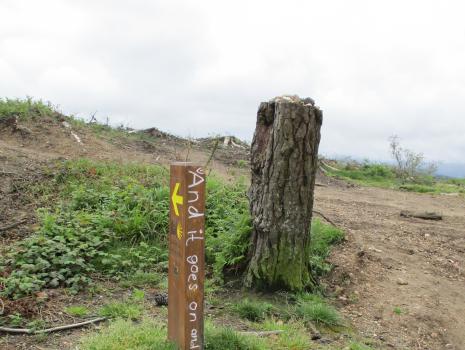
x=197 y=68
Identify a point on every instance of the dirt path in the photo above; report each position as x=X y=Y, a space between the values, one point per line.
x=390 y=263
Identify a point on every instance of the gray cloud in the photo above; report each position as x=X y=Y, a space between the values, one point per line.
x=198 y=68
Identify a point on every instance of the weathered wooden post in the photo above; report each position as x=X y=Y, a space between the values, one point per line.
x=186 y=272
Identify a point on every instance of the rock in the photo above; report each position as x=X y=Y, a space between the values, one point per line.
x=401 y=282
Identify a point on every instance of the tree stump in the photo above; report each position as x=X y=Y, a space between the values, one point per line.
x=284 y=160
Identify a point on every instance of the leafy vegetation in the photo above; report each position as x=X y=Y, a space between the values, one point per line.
x=113 y=219
x=25 y=109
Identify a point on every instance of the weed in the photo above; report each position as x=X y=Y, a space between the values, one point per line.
x=254 y=311
x=398 y=311
x=77 y=311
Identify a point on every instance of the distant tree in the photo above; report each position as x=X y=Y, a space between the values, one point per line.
x=409 y=164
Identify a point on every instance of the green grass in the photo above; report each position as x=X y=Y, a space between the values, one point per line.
x=125 y=335
x=314 y=308
x=359 y=346
x=323 y=237
x=398 y=311
x=384 y=176
x=77 y=311
x=149 y=335
x=253 y=310
x=127 y=310
x=219 y=338
x=141 y=279
x=294 y=335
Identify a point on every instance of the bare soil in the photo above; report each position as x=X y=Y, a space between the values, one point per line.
x=388 y=263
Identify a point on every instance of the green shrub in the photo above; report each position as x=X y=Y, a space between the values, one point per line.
x=25 y=109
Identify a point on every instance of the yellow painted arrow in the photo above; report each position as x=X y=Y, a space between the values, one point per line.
x=176 y=198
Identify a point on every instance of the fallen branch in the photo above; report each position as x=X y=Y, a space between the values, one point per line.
x=320 y=185
x=8 y=227
x=50 y=330
x=421 y=215
x=325 y=217
x=262 y=333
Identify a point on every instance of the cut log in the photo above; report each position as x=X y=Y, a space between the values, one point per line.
x=421 y=215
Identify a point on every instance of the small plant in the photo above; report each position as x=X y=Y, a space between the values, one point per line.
x=15 y=319
x=138 y=295
x=398 y=311
x=125 y=310
x=77 y=311
x=254 y=311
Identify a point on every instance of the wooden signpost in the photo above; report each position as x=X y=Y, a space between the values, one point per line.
x=186 y=272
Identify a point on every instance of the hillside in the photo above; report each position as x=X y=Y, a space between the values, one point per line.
x=396 y=282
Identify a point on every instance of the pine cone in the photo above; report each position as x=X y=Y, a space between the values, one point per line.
x=161 y=299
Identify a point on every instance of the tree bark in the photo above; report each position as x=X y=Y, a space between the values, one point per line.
x=284 y=160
